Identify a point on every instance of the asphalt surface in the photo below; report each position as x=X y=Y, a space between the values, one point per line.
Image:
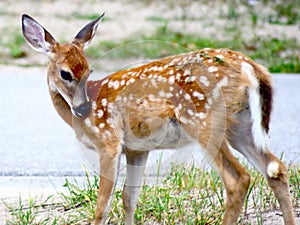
x=34 y=141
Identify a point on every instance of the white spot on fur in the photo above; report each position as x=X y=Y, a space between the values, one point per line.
x=154 y=68
x=109 y=121
x=171 y=79
x=183 y=119
x=100 y=114
x=216 y=90
x=102 y=125
x=198 y=95
x=116 y=85
x=118 y=98
x=273 y=169
x=88 y=122
x=258 y=132
x=160 y=68
x=95 y=129
x=105 y=82
x=107 y=134
x=153 y=82
x=187 y=72
x=130 y=81
x=122 y=82
x=169 y=95
x=213 y=69
x=94 y=105
x=201 y=115
x=161 y=93
x=165 y=66
x=204 y=81
x=190 y=112
x=110 y=107
x=179 y=107
x=104 y=102
x=151 y=97
x=187 y=97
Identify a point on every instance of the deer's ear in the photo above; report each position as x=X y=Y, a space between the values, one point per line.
x=86 y=34
x=36 y=36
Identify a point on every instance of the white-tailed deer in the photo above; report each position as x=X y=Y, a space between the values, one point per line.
x=216 y=98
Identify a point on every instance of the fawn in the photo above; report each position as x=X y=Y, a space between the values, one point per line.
x=217 y=98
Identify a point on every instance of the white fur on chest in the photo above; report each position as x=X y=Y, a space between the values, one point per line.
x=88 y=150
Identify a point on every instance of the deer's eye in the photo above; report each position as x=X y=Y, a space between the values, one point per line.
x=66 y=75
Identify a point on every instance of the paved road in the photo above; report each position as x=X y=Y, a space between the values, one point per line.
x=34 y=141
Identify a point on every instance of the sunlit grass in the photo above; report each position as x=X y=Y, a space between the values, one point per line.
x=278 y=55
x=185 y=196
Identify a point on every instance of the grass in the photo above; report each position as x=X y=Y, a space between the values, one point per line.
x=286 y=13
x=14 y=44
x=279 y=55
x=31 y=212
x=186 y=196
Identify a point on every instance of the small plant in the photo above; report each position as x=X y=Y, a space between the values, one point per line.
x=15 y=46
x=279 y=55
x=29 y=212
x=81 y=199
x=186 y=196
x=286 y=12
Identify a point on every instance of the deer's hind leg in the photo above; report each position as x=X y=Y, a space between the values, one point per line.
x=234 y=176
x=241 y=137
x=236 y=180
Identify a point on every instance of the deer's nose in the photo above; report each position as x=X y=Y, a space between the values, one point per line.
x=82 y=110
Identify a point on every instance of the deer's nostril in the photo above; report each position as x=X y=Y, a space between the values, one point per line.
x=82 y=110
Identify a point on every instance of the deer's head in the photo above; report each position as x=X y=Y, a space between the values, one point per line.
x=68 y=67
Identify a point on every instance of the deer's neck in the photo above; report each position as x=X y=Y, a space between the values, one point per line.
x=62 y=107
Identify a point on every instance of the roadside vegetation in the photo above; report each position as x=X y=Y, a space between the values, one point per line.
x=186 y=196
x=279 y=53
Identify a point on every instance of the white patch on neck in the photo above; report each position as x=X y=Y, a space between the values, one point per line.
x=52 y=86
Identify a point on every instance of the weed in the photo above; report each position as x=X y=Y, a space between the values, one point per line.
x=286 y=12
x=15 y=44
x=185 y=196
x=28 y=212
x=279 y=55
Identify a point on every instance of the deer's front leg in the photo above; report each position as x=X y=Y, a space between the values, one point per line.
x=109 y=170
x=136 y=162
